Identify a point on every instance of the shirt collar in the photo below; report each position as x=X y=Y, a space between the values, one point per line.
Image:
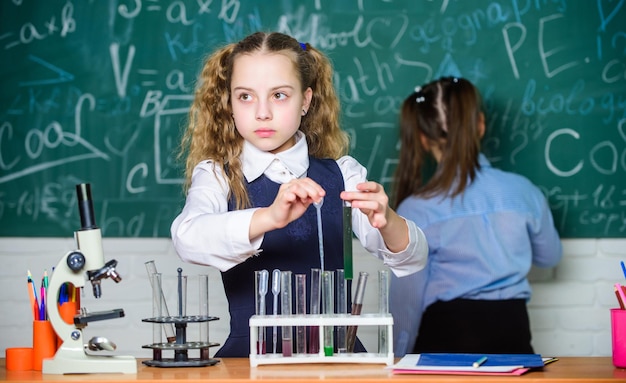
x=483 y=161
x=296 y=159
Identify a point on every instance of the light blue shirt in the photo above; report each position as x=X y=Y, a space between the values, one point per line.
x=481 y=245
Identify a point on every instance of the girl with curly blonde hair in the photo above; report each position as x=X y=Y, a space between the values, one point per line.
x=262 y=146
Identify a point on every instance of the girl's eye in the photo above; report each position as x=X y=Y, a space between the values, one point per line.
x=280 y=96
x=245 y=97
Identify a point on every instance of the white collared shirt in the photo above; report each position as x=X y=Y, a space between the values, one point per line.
x=205 y=232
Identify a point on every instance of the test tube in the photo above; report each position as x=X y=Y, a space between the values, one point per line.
x=342 y=308
x=357 y=304
x=203 y=311
x=181 y=336
x=316 y=291
x=347 y=239
x=328 y=300
x=383 y=308
x=286 y=309
x=157 y=308
x=261 y=278
x=168 y=328
x=300 y=280
x=203 y=305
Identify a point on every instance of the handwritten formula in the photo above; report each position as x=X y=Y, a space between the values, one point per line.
x=99 y=92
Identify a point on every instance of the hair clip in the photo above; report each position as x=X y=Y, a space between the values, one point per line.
x=303 y=46
x=420 y=97
x=455 y=79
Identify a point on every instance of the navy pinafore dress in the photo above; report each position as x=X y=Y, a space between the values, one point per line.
x=294 y=247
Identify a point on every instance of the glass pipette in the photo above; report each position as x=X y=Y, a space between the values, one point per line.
x=275 y=292
x=261 y=282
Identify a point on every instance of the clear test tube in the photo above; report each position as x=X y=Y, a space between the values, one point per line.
x=342 y=308
x=328 y=300
x=203 y=306
x=168 y=328
x=286 y=309
x=316 y=295
x=357 y=305
x=203 y=311
x=261 y=280
x=157 y=308
x=383 y=308
x=300 y=280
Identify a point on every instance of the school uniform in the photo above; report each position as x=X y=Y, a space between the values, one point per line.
x=209 y=232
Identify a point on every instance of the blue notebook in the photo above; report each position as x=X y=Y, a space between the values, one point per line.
x=493 y=360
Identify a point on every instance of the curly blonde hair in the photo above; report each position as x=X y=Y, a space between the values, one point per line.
x=211 y=133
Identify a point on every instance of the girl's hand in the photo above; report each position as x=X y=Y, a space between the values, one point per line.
x=292 y=200
x=372 y=200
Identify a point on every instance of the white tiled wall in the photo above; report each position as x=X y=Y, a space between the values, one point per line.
x=569 y=308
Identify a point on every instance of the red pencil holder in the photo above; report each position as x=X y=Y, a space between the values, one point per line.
x=67 y=311
x=44 y=342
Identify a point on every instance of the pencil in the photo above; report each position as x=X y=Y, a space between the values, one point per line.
x=45 y=279
x=32 y=295
x=619 y=299
x=621 y=295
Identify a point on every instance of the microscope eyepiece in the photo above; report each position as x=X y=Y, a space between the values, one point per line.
x=85 y=207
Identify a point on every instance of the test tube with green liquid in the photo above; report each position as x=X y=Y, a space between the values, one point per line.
x=328 y=301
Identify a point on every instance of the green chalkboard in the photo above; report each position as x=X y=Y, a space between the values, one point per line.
x=97 y=92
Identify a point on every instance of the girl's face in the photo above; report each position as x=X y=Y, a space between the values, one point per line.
x=267 y=100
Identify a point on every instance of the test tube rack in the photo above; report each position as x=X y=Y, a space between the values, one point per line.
x=181 y=346
x=261 y=321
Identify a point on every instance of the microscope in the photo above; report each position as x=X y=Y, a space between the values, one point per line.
x=87 y=262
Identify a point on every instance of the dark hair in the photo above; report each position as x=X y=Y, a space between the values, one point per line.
x=447 y=113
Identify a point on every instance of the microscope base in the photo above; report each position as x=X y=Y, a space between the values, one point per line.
x=76 y=361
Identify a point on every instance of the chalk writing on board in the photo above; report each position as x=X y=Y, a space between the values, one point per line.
x=99 y=92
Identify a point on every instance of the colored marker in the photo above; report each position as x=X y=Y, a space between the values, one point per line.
x=479 y=362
